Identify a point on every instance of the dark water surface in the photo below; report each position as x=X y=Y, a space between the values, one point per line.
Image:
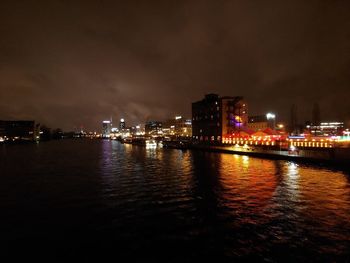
x=93 y=200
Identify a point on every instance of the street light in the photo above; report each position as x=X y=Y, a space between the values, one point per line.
x=271 y=116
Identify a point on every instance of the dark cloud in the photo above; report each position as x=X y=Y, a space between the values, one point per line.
x=75 y=63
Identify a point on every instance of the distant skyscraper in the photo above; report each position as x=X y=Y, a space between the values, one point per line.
x=121 y=124
x=106 y=129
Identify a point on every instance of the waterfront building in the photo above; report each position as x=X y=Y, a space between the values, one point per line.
x=153 y=128
x=183 y=128
x=19 y=130
x=332 y=128
x=177 y=127
x=262 y=122
x=215 y=117
x=106 y=128
x=137 y=130
x=126 y=132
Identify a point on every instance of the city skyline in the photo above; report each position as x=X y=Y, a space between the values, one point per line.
x=75 y=64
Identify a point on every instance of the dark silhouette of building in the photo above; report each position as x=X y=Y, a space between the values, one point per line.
x=214 y=117
x=19 y=130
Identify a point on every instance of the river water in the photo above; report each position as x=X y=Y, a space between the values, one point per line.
x=97 y=199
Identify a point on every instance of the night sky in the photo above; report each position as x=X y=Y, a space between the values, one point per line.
x=74 y=63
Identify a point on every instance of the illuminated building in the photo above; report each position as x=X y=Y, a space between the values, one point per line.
x=122 y=124
x=327 y=128
x=106 y=129
x=19 y=130
x=137 y=130
x=177 y=127
x=153 y=128
x=262 y=122
x=215 y=117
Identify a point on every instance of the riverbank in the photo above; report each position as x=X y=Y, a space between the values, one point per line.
x=331 y=156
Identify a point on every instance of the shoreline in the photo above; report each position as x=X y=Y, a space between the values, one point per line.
x=326 y=158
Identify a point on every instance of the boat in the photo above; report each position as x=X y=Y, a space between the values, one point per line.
x=151 y=144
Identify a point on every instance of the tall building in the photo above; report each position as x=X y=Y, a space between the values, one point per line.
x=214 y=117
x=122 y=124
x=106 y=129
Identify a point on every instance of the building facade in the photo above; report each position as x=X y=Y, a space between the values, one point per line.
x=261 y=122
x=153 y=128
x=122 y=124
x=106 y=129
x=214 y=117
x=327 y=128
x=177 y=127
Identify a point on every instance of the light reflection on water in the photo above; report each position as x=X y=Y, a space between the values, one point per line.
x=188 y=204
x=262 y=204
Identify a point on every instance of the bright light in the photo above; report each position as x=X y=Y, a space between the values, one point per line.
x=106 y=121
x=151 y=144
x=270 y=116
x=178 y=117
x=121 y=120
